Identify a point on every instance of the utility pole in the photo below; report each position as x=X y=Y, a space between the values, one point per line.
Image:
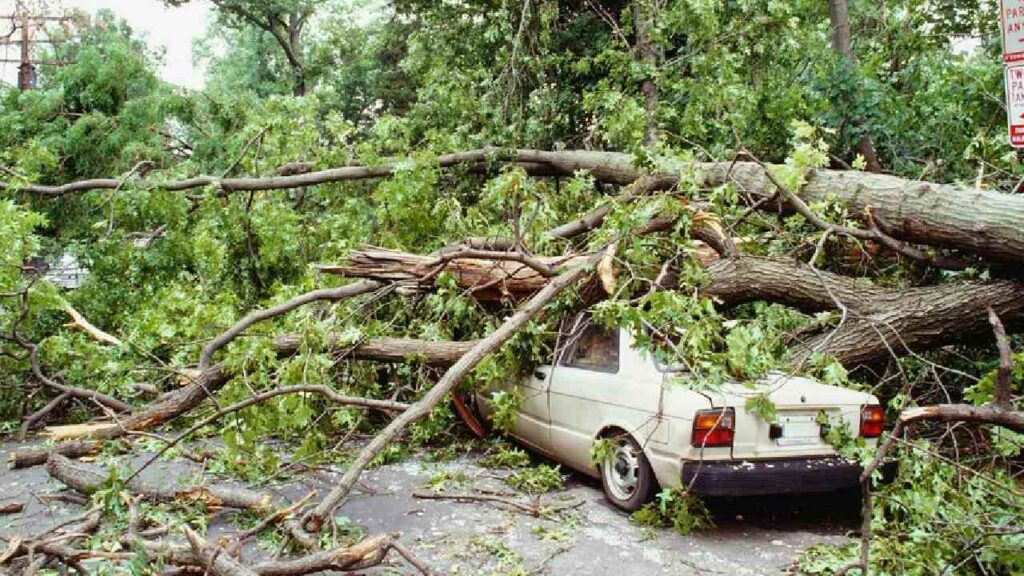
x=26 y=23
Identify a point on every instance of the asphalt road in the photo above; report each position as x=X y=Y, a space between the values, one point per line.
x=753 y=535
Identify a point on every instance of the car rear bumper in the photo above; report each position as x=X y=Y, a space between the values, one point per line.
x=778 y=476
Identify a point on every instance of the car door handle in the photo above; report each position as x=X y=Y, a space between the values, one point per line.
x=540 y=374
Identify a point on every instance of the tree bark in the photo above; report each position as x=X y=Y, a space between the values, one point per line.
x=28 y=457
x=881 y=321
x=643 y=18
x=878 y=319
x=487 y=280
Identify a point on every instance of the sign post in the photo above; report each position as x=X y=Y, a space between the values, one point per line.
x=1015 y=103
x=1011 y=20
x=1011 y=17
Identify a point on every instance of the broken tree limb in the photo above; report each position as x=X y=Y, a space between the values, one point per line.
x=207 y=382
x=386 y=349
x=487 y=280
x=60 y=545
x=1003 y=393
x=28 y=457
x=326 y=294
x=314 y=520
x=87 y=480
x=981 y=222
x=73 y=391
x=38 y=415
x=328 y=393
x=988 y=414
x=213 y=559
x=365 y=554
x=79 y=322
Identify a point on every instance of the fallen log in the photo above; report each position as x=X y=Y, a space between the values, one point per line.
x=487 y=279
x=880 y=321
x=980 y=222
x=28 y=457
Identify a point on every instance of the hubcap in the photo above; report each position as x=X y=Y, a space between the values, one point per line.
x=621 y=470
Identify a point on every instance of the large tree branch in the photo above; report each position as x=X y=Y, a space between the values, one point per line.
x=981 y=222
x=882 y=319
x=323 y=295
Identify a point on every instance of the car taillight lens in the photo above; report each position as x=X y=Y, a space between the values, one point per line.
x=872 y=421
x=713 y=427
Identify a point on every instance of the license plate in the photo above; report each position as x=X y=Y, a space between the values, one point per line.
x=799 y=431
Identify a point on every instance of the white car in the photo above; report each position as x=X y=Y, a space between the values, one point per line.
x=666 y=435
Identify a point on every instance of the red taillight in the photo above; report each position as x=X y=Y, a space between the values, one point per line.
x=872 y=421
x=713 y=428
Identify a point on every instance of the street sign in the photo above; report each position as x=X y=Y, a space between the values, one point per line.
x=1011 y=17
x=1015 y=104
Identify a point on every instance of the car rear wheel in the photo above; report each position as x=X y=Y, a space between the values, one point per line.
x=626 y=474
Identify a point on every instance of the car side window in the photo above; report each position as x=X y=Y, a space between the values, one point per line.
x=596 y=348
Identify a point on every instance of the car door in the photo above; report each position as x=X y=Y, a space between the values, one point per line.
x=585 y=388
x=533 y=424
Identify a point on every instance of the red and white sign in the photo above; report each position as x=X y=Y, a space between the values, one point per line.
x=1011 y=16
x=1015 y=104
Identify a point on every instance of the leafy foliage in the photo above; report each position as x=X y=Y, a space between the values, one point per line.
x=536 y=480
x=676 y=509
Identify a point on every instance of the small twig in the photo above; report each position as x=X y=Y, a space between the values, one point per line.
x=536 y=509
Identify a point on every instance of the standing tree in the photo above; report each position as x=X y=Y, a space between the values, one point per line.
x=839 y=19
x=285 y=20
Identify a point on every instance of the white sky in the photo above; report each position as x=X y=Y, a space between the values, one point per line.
x=170 y=29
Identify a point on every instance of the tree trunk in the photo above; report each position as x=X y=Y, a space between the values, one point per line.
x=643 y=18
x=839 y=18
x=880 y=321
x=981 y=222
x=487 y=280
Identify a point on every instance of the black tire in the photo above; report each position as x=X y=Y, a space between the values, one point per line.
x=619 y=467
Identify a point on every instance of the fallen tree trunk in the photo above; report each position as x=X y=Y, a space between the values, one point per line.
x=488 y=280
x=981 y=222
x=880 y=321
x=28 y=457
